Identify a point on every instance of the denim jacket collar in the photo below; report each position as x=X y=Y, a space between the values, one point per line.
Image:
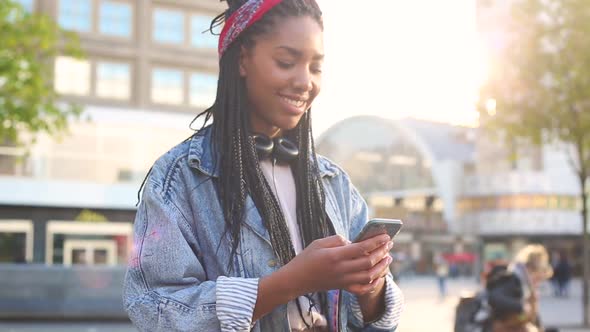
x=200 y=156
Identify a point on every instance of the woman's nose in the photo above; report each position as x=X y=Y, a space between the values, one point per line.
x=303 y=80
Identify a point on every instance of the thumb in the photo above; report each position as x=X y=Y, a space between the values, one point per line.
x=333 y=241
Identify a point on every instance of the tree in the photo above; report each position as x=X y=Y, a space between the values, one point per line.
x=90 y=216
x=28 y=103
x=538 y=89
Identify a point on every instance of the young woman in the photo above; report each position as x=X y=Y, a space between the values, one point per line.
x=242 y=226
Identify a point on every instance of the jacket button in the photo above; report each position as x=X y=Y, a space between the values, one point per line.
x=272 y=263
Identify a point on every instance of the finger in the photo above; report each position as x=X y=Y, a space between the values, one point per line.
x=386 y=248
x=333 y=241
x=365 y=263
x=366 y=277
x=365 y=247
x=384 y=272
x=360 y=289
x=383 y=250
x=376 y=242
x=377 y=271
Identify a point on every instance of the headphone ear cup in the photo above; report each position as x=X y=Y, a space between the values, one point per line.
x=264 y=146
x=285 y=150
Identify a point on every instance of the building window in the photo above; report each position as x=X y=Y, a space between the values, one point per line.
x=88 y=243
x=28 y=5
x=113 y=80
x=167 y=86
x=75 y=15
x=89 y=252
x=200 y=36
x=168 y=26
x=72 y=76
x=16 y=241
x=203 y=88
x=115 y=19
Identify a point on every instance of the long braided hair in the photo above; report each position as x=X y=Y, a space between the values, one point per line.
x=240 y=174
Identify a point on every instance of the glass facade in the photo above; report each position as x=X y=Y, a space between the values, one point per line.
x=168 y=26
x=200 y=36
x=113 y=80
x=72 y=76
x=203 y=88
x=167 y=86
x=115 y=19
x=87 y=243
x=519 y=202
x=12 y=247
x=382 y=161
x=75 y=15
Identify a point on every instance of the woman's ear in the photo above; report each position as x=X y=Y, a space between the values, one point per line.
x=243 y=60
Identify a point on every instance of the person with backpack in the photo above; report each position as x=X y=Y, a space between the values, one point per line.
x=512 y=294
x=509 y=301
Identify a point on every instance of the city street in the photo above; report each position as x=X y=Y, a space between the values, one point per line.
x=424 y=310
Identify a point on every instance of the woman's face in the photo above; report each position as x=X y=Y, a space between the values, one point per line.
x=283 y=72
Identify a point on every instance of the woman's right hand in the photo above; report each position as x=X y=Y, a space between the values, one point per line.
x=335 y=263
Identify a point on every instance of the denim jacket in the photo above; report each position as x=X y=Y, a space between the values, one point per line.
x=180 y=253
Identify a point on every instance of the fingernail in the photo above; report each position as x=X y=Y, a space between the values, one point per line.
x=390 y=245
x=389 y=260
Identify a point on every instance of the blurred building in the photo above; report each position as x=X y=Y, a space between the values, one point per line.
x=149 y=69
x=410 y=170
x=457 y=190
x=520 y=193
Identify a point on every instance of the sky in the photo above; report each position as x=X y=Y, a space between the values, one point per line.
x=400 y=58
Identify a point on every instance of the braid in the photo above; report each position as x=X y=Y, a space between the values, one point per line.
x=240 y=174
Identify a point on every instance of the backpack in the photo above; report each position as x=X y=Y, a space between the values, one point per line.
x=473 y=313
x=496 y=274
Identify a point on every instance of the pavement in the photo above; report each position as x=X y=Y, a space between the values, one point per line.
x=425 y=310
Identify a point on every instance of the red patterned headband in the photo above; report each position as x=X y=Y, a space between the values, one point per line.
x=248 y=14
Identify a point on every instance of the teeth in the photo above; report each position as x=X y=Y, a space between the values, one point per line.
x=296 y=103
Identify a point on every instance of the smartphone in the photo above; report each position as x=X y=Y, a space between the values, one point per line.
x=379 y=226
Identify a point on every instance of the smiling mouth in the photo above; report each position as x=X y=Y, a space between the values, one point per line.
x=299 y=103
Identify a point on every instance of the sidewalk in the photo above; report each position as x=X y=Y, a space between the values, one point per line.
x=426 y=311
x=562 y=311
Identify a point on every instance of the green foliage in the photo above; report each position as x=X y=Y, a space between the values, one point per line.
x=90 y=216
x=540 y=77
x=28 y=102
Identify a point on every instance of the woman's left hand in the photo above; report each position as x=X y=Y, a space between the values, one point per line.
x=374 y=287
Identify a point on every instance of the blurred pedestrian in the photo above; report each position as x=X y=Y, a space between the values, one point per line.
x=395 y=268
x=553 y=280
x=513 y=293
x=442 y=273
x=562 y=273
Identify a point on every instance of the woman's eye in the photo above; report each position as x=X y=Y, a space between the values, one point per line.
x=284 y=65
